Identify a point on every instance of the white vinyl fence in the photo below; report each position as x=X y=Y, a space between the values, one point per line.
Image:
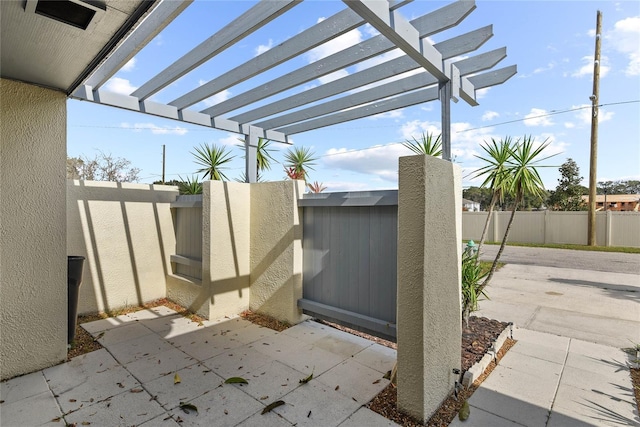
x=612 y=228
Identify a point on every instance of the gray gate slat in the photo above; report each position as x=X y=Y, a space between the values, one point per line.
x=349 y=251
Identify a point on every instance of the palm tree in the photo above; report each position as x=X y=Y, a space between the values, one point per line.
x=297 y=161
x=213 y=158
x=427 y=145
x=498 y=153
x=525 y=180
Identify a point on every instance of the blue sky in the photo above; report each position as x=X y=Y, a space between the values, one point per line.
x=552 y=42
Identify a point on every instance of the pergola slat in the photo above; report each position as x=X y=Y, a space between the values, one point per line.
x=426 y=25
x=318 y=34
x=493 y=78
x=413 y=98
x=449 y=49
x=466 y=66
x=256 y=17
x=158 y=19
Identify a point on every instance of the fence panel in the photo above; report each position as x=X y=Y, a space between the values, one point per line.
x=187 y=260
x=350 y=259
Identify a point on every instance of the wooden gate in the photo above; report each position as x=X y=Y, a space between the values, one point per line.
x=350 y=259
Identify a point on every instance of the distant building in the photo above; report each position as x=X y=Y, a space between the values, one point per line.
x=470 y=205
x=616 y=202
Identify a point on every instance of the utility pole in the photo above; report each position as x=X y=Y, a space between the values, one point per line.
x=593 y=163
x=163 y=159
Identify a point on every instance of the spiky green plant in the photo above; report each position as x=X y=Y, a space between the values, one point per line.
x=190 y=185
x=299 y=160
x=263 y=156
x=427 y=145
x=472 y=277
x=522 y=167
x=316 y=187
x=497 y=178
x=213 y=158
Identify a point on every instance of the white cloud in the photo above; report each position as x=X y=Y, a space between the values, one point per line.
x=217 y=98
x=550 y=66
x=130 y=65
x=155 y=129
x=264 y=47
x=481 y=93
x=538 y=117
x=587 y=68
x=380 y=161
x=231 y=139
x=625 y=38
x=333 y=76
x=569 y=125
x=120 y=85
x=490 y=115
x=339 y=43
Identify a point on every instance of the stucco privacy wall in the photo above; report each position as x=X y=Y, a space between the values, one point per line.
x=612 y=228
x=429 y=259
x=33 y=263
x=225 y=247
x=125 y=231
x=276 y=249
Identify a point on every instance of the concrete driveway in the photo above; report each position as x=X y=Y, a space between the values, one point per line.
x=591 y=296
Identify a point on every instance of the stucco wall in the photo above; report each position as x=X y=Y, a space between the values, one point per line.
x=276 y=249
x=125 y=231
x=225 y=246
x=429 y=260
x=33 y=264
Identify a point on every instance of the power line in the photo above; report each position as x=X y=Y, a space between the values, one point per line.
x=551 y=113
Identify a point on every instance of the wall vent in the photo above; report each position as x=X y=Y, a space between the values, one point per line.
x=77 y=13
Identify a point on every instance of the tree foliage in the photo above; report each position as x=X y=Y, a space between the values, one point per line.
x=568 y=194
x=618 y=187
x=103 y=167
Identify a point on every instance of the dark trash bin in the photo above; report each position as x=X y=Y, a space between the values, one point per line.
x=75 y=264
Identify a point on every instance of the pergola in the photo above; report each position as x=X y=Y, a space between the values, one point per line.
x=327 y=104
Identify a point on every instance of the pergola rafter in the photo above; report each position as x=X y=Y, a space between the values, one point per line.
x=374 y=90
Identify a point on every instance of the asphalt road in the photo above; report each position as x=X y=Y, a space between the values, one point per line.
x=565 y=258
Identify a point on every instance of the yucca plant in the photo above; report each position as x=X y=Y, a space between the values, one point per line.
x=190 y=185
x=472 y=277
x=497 y=178
x=298 y=160
x=524 y=179
x=213 y=158
x=263 y=157
x=427 y=145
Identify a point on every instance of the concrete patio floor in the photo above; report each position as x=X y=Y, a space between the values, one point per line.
x=131 y=380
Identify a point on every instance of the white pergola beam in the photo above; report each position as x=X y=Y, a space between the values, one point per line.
x=493 y=78
x=256 y=17
x=326 y=30
x=154 y=23
x=426 y=25
x=450 y=48
x=393 y=88
x=400 y=31
x=131 y=103
x=413 y=98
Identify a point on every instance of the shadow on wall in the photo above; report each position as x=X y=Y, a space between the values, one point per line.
x=126 y=233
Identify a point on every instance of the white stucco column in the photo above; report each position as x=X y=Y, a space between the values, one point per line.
x=276 y=249
x=429 y=260
x=33 y=228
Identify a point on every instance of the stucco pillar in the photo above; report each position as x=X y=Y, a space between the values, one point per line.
x=429 y=260
x=225 y=247
x=33 y=258
x=276 y=249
